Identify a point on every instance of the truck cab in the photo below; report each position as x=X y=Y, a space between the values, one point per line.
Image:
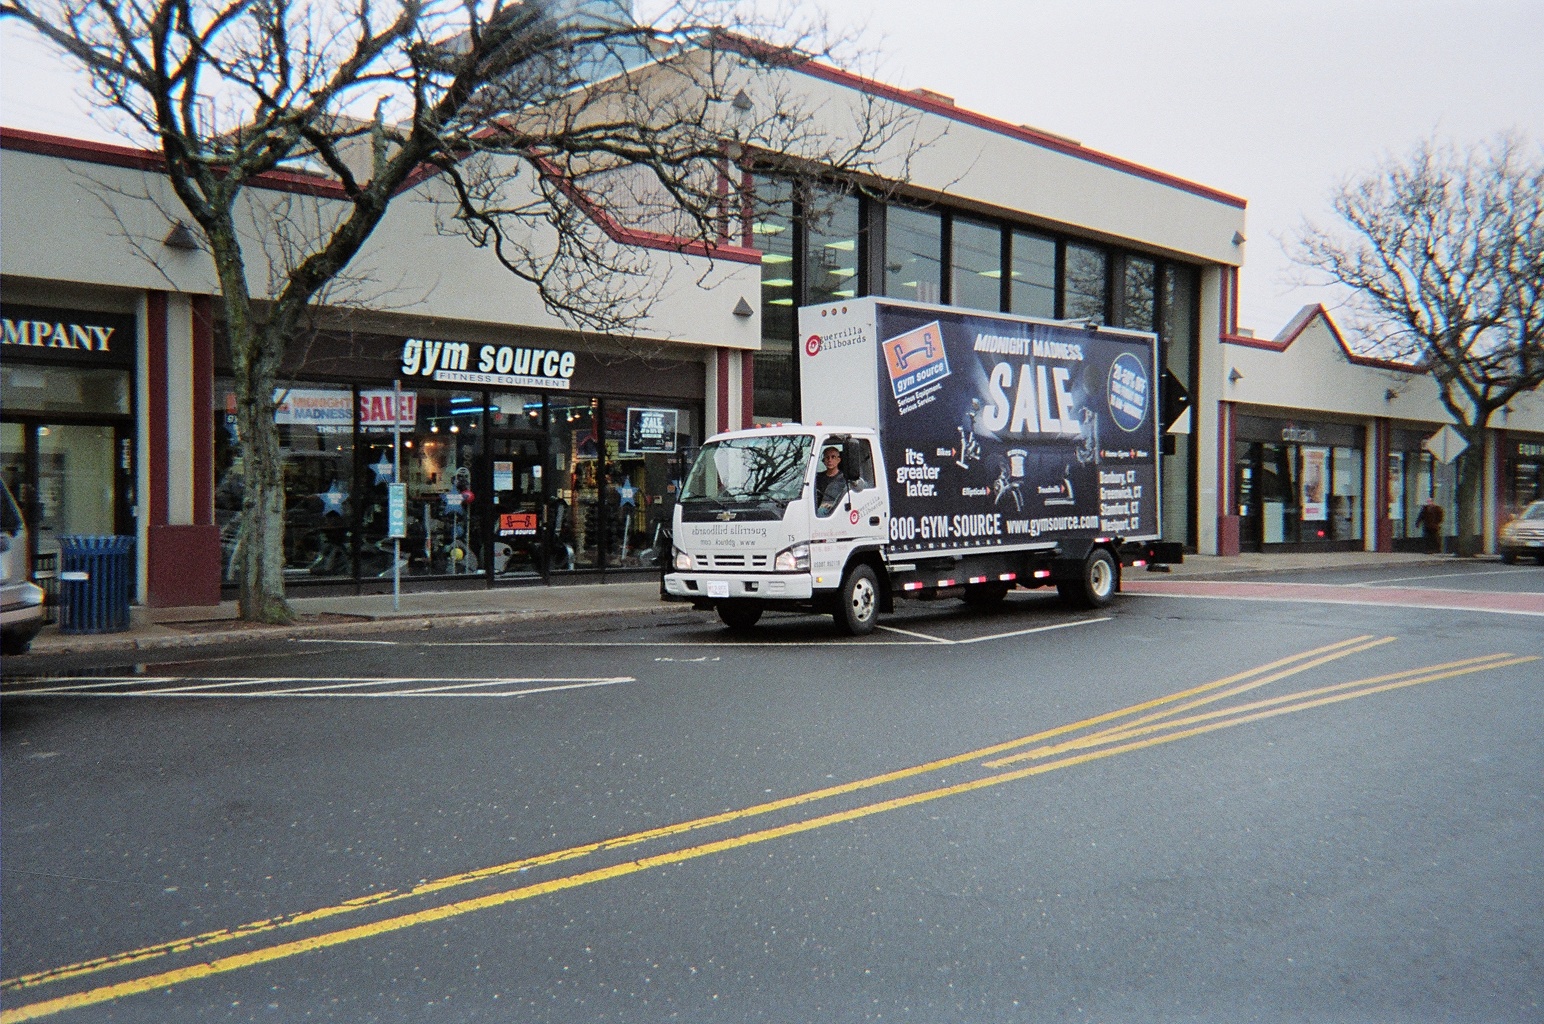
x=762 y=520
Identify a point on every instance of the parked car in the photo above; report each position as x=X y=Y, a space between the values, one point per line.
x=21 y=600
x=1524 y=535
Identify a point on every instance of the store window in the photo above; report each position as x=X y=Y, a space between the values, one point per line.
x=831 y=249
x=575 y=452
x=1086 y=288
x=976 y=254
x=1032 y=284
x=1303 y=491
x=913 y=254
x=1177 y=338
x=772 y=231
x=315 y=423
x=441 y=447
x=68 y=441
x=646 y=450
x=1139 y=294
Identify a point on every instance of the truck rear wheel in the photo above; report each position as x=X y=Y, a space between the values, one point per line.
x=739 y=616
x=1096 y=585
x=858 y=606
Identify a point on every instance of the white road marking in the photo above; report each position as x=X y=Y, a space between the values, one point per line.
x=1362 y=602
x=356 y=687
x=907 y=632
x=1374 y=584
x=1036 y=629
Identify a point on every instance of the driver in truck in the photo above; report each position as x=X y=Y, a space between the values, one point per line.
x=830 y=485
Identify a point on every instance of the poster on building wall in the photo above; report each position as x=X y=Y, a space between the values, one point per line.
x=1315 y=481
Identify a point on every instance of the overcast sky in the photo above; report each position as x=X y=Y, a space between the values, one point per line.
x=1270 y=100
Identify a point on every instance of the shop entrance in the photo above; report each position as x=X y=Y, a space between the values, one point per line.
x=519 y=527
x=69 y=478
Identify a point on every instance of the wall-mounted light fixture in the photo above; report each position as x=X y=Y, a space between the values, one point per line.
x=1234 y=376
x=1238 y=238
x=180 y=237
x=1390 y=394
x=742 y=309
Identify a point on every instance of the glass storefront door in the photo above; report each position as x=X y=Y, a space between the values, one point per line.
x=513 y=479
x=69 y=479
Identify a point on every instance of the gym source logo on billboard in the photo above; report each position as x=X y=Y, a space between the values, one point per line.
x=916 y=359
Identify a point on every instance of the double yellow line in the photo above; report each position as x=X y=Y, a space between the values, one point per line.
x=1150 y=723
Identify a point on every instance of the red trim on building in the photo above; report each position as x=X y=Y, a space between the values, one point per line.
x=86 y=151
x=203 y=406
x=723 y=389
x=156 y=411
x=1299 y=324
x=289 y=181
x=747 y=388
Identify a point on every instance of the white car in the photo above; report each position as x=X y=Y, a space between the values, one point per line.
x=21 y=600
x=1524 y=535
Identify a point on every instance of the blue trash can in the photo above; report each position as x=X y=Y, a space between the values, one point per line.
x=96 y=584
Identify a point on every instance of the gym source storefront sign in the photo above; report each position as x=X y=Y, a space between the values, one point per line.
x=506 y=366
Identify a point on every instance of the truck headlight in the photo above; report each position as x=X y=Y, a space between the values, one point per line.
x=683 y=561
x=794 y=559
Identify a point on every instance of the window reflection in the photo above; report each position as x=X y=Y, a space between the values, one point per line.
x=1032 y=287
x=831 y=252
x=772 y=232
x=977 y=258
x=1086 y=287
x=913 y=254
x=1138 y=294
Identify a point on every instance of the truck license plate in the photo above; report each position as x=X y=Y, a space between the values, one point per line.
x=718 y=588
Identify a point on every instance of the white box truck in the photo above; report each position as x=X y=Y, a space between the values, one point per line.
x=942 y=452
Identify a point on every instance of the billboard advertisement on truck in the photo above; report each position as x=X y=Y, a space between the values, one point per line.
x=996 y=430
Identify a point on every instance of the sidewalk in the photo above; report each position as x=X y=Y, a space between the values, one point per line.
x=162 y=628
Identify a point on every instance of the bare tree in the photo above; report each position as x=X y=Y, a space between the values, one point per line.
x=539 y=126
x=1443 y=251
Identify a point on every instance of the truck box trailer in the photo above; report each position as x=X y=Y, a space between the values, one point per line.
x=942 y=452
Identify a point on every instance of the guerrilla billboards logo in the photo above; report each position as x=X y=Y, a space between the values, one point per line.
x=497 y=365
x=812 y=346
x=1128 y=392
x=917 y=363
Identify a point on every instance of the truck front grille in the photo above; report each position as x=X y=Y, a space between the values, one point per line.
x=741 y=561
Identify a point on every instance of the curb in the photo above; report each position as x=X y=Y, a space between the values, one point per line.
x=58 y=644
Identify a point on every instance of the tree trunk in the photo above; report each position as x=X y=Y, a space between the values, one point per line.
x=1471 y=480
x=261 y=550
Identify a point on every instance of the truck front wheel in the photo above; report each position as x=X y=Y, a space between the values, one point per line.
x=739 y=615
x=858 y=607
x=1095 y=586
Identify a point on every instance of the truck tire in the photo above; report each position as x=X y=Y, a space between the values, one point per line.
x=1096 y=585
x=985 y=595
x=739 y=616
x=858 y=606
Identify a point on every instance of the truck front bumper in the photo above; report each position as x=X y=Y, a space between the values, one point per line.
x=709 y=586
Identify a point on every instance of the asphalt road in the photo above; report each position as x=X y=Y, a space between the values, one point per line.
x=1172 y=810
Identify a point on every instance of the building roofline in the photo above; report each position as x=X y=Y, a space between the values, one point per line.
x=113 y=155
x=1022 y=133
x=1300 y=323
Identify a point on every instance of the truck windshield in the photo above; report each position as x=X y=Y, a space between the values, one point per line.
x=750 y=469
